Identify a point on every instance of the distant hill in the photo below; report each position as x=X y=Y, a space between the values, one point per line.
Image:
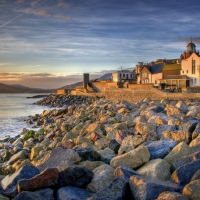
x=22 y=89
x=72 y=86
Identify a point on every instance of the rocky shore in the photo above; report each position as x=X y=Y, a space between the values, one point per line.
x=89 y=148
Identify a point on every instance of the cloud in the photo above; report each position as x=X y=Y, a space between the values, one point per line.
x=41 y=12
x=63 y=5
x=62 y=17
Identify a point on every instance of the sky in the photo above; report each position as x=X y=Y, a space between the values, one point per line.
x=51 y=43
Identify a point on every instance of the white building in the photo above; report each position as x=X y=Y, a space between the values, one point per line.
x=190 y=64
x=123 y=76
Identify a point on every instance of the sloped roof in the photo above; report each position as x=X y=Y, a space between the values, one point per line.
x=155 y=68
x=172 y=67
x=105 y=77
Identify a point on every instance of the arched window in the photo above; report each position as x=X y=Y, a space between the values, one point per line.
x=193 y=66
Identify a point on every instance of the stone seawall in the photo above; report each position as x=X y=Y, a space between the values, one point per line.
x=137 y=94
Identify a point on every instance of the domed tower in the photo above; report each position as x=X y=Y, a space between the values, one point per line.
x=191 y=47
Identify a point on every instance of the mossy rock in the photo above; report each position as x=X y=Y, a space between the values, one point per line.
x=39 y=132
x=28 y=135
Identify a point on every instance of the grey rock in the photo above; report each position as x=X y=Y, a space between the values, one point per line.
x=74 y=175
x=143 y=188
x=46 y=194
x=73 y=193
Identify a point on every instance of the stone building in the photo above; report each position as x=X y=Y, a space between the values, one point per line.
x=123 y=76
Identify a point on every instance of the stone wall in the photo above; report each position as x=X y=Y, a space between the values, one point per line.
x=135 y=95
x=139 y=86
x=62 y=92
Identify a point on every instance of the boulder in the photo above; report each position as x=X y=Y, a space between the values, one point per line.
x=196 y=175
x=172 y=110
x=196 y=131
x=171 y=196
x=3 y=197
x=157 y=169
x=9 y=183
x=115 y=191
x=177 y=135
x=35 y=152
x=58 y=157
x=185 y=160
x=103 y=175
x=46 y=194
x=130 y=142
x=164 y=127
x=192 y=190
x=88 y=154
x=114 y=145
x=47 y=178
x=184 y=174
x=188 y=125
x=73 y=193
x=28 y=135
x=145 y=128
x=160 y=148
x=195 y=143
x=132 y=159
x=182 y=106
x=20 y=155
x=124 y=172
x=180 y=150
x=143 y=188
x=91 y=165
x=74 y=175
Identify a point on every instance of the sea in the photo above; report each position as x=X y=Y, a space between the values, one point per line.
x=14 y=110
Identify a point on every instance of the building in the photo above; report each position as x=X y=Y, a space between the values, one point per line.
x=149 y=73
x=123 y=76
x=190 y=63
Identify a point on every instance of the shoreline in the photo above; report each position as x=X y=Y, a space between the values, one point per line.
x=112 y=143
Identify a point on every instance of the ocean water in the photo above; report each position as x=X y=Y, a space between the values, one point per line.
x=14 y=110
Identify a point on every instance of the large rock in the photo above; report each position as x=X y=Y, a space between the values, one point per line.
x=185 y=160
x=192 y=190
x=184 y=174
x=47 y=178
x=143 y=188
x=164 y=127
x=46 y=194
x=9 y=183
x=74 y=175
x=188 y=125
x=160 y=148
x=91 y=165
x=73 y=193
x=196 y=175
x=195 y=143
x=171 y=196
x=35 y=151
x=130 y=142
x=180 y=150
x=3 y=197
x=114 y=145
x=88 y=154
x=172 y=110
x=132 y=159
x=145 y=128
x=115 y=191
x=103 y=175
x=124 y=172
x=177 y=135
x=158 y=169
x=20 y=155
x=196 y=131
x=58 y=157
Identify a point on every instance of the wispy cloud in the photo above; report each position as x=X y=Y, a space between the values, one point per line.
x=63 y=17
x=41 y=12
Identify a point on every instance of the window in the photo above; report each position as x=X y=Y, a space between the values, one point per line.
x=191 y=81
x=131 y=75
x=186 y=71
x=124 y=75
x=193 y=66
x=183 y=71
x=195 y=81
x=120 y=75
